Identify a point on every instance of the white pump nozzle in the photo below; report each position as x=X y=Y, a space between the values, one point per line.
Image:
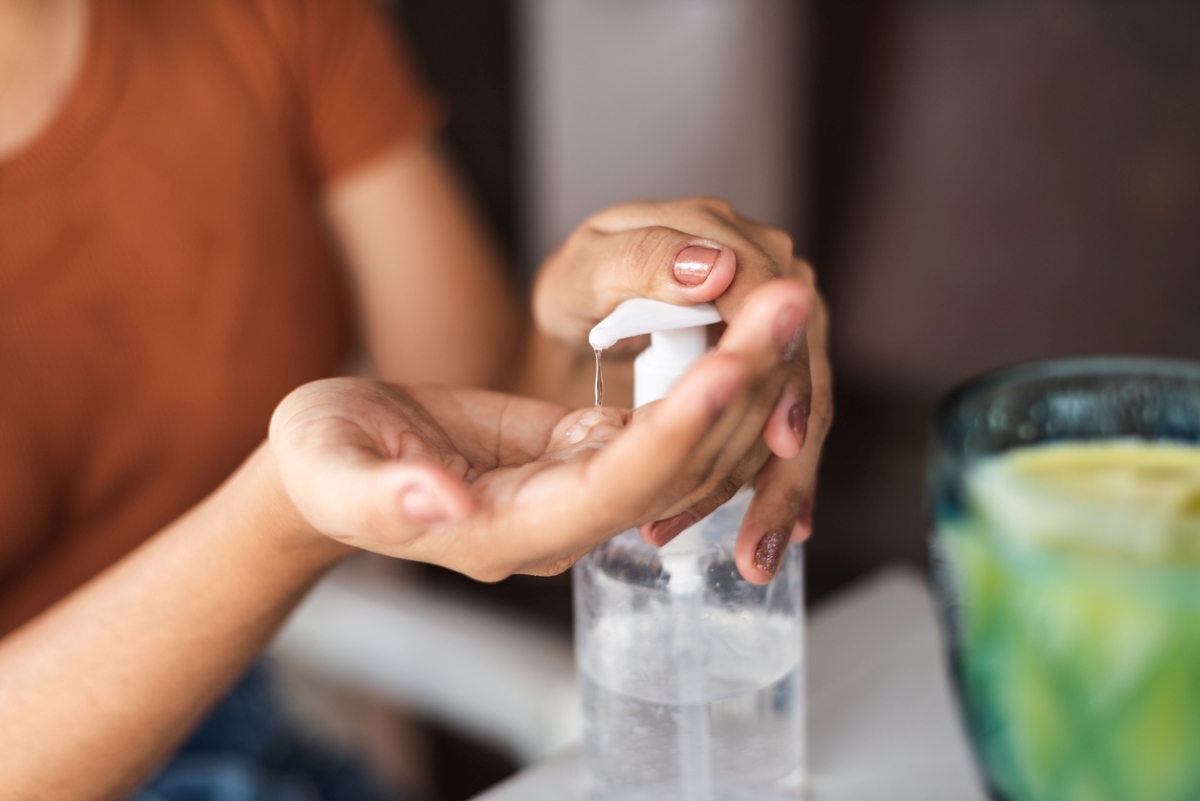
x=638 y=316
x=677 y=341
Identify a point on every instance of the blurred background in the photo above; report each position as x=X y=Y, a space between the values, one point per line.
x=976 y=184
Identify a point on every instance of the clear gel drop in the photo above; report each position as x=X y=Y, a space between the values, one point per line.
x=598 y=391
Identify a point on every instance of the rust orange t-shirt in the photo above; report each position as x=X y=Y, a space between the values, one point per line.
x=165 y=278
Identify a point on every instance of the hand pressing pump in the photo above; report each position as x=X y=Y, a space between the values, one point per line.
x=692 y=678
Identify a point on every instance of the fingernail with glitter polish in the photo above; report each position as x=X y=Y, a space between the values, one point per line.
x=694 y=263
x=770 y=551
x=664 y=531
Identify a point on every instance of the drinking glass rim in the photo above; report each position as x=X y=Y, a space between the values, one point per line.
x=1179 y=577
x=1022 y=372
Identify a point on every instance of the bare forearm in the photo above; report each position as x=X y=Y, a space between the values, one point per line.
x=437 y=304
x=96 y=691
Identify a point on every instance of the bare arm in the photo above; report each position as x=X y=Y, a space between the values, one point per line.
x=100 y=688
x=435 y=302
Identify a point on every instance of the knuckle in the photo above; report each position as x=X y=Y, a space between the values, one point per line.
x=762 y=260
x=703 y=207
x=723 y=488
x=715 y=205
x=608 y=219
x=729 y=485
x=791 y=498
x=803 y=270
x=646 y=246
x=700 y=476
x=821 y=315
x=821 y=415
x=557 y=566
x=785 y=244
x=775 y=246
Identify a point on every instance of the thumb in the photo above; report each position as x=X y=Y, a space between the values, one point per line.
x=606 y=268
x=662 y=263
x=379 y=504
x=423 y=493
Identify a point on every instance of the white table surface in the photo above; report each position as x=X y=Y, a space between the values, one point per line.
x=881 y=720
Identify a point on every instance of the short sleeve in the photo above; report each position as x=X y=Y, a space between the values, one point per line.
x=359 y=93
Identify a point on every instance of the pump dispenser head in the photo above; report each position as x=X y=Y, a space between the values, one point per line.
x=677 y=341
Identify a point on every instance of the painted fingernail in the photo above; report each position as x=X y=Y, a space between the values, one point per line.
x=421 y=505
x=798 y=420
x=770 y=551
x=664 y=531
x=694 y=263
x=789 y=331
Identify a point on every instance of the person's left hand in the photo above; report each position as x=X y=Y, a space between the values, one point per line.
x=687 y=252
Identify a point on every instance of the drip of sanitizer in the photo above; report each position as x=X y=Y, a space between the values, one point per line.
x=692 y=678
x=598 y=390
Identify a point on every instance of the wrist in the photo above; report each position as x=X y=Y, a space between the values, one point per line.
x=275 y=520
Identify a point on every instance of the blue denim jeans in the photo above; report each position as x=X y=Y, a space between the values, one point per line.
x=245 y=751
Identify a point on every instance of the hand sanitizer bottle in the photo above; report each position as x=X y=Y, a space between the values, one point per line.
x=692 y=678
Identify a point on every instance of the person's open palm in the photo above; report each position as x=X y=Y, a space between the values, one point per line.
x=490 y=484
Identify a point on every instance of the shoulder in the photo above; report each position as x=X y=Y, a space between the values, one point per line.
x=332 y=74
x=303 y=36
x=299 y=26
x=283 y=26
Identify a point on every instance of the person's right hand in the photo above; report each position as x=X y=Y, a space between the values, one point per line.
x=691 y=251
x=490 y=484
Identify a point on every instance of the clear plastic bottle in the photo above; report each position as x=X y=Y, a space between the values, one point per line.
x=692 y=678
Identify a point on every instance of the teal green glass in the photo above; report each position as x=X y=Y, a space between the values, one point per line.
x=1077 y=668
